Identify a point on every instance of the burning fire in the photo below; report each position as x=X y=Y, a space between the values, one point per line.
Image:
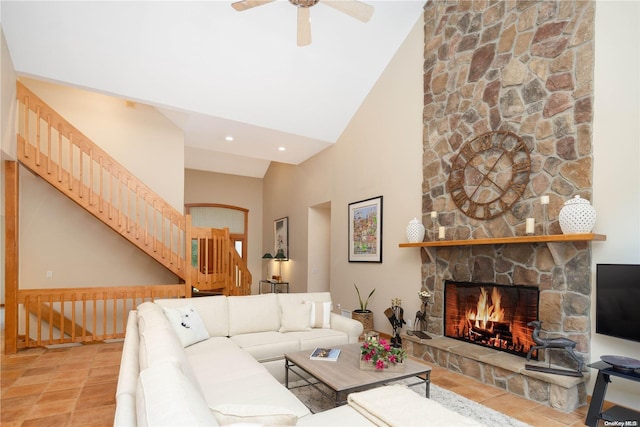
x=492 y=316
x=485 y=311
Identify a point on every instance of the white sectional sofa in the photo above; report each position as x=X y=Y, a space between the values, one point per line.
x=220 y=360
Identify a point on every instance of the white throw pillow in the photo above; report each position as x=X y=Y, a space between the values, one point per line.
x=227 y=414
x=320 y=314
x=295 y=317
x=212 y=310
x=187 y=323
x=253 y=313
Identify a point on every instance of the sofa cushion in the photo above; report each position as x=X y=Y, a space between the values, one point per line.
x=319 y=338
x=211 y=358
x=259 y=389
x=150 y=315
x=295 y=317
x=253 y=313
x=166 y=397
x=228 y=414
x=265 y=346
x=161 y=344
x=212 y=346
x=320 y=314
x=212 y=310
x=186 y=322
x=299 y=298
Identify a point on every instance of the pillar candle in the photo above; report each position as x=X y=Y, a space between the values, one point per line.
x=434 y=214
x=441 y=232
x=544 y=200
x=530 y=225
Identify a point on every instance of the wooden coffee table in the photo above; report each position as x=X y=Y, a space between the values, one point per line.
x=345 y=376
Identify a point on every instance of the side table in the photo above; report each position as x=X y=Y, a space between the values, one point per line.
x=273 y=285
x=617 y=413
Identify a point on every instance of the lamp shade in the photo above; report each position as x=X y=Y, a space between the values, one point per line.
x=280 y=256
x=267 y=256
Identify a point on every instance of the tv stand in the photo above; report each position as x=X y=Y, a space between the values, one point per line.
x=616 y=413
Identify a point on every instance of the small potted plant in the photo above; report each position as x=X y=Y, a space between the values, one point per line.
x=363 y=315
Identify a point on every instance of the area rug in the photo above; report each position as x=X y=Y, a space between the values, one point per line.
x=317 y=402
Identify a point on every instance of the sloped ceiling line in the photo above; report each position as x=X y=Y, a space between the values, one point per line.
x=214 y=71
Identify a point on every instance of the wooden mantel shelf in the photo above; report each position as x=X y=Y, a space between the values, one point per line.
x=553 y=241
x=582 y=237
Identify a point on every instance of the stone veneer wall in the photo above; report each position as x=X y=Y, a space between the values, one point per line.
x=526 y=67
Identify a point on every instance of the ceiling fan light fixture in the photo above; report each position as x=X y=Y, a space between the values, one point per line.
x=304 y=3
x=354 y=8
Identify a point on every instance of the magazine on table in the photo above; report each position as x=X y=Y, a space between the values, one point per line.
x=327 y=354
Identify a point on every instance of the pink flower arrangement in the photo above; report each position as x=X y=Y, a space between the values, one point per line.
x=380 y=353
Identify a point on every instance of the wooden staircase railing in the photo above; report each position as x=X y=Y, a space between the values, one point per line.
x=218 y=267
x=82 y=314
x=55 y=318
x=67 y=159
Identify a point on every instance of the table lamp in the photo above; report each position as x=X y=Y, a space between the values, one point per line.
x=267 y=256
x=280 y=256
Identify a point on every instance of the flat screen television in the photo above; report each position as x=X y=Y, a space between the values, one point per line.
x=618 y=300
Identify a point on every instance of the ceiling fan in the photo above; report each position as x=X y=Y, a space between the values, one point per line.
x=358 y=10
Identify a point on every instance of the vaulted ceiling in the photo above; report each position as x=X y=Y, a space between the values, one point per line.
x=216 y=72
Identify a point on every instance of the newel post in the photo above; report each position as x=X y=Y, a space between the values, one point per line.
x=11 y=256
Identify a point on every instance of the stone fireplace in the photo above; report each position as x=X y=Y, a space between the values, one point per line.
x=525 y=67
x=491 y=315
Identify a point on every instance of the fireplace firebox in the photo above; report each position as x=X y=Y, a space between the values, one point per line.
x=491 y=315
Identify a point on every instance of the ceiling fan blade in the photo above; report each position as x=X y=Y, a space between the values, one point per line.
x=248 y=4
x=356 y=9
x=304 y=26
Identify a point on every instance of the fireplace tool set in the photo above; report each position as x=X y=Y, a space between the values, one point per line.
x=395 y=314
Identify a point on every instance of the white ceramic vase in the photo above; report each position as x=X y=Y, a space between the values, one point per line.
x=415 y=231
x=577 y=216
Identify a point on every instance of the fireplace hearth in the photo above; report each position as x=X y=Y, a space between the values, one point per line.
x=491 y=315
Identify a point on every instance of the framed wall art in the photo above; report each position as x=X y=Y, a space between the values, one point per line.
x=281 y=239
x=365 y=230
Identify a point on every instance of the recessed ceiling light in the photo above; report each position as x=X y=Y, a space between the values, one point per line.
x=281 y=148
x=228 y=138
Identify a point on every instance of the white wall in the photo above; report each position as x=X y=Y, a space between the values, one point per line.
x=616 y=189
x=7 y=133
x=57 y=235
x=319 y=249
x=7 y=101
x=378 y=154
x=136 y=135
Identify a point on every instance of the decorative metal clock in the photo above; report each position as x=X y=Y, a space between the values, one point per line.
x=489 y=174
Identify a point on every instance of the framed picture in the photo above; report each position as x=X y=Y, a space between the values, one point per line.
x=365 y=230
x=281 y=238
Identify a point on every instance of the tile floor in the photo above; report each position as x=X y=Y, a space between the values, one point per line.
x=76 y=386
x=62 y=387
